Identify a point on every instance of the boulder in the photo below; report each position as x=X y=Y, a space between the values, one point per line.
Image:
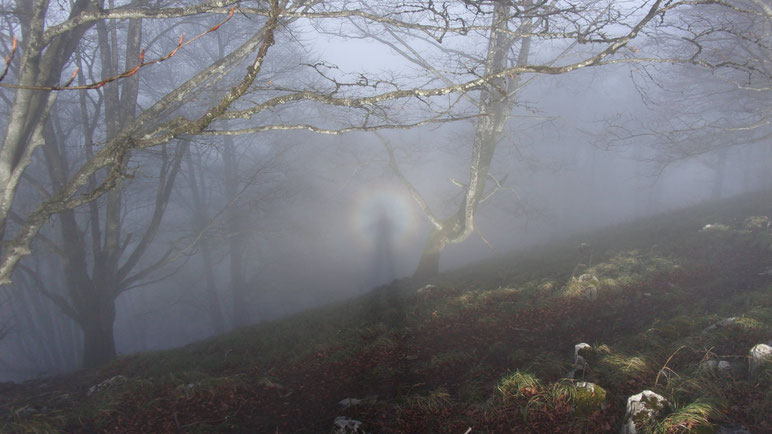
x=579 y=362
x=344 y=425
x=643 y=409
x=759 y=355
x=578 y=359
x=589 y=398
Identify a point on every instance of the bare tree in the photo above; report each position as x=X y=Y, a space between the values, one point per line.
x=232 y=94
x=512 y=29
x=717 y=99
x=365 y=101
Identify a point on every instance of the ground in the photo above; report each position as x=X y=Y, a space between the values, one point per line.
x=485 y=348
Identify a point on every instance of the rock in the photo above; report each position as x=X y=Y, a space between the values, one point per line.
x=579 y=360
x=732 y=428
x=724 y=367
x=642 y=409
x=344 y=425
x=759 y=355
x=709 y=366
x=118 y=379
x=587 y=277
x=426 y=289
x=726 y=322
x=589 y=398
x=767 y=272
x=715 y=227
x=591 y=293
x=348 y=402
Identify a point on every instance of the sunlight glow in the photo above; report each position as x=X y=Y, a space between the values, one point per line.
x=390 y=201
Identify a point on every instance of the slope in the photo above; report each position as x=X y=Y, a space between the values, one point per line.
x=487 y=347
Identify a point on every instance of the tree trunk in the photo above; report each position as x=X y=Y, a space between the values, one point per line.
x=200 y=221
x=718 y=181
x=98 y=339
x=236 y=237
x=429 y=264
x=495 y=105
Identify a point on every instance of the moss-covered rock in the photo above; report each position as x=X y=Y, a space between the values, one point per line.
x=589 y=398
x=643 y=411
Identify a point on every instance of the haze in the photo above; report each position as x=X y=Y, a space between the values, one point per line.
x=147 y=206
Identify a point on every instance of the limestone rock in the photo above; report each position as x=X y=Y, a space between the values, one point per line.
x=715 y=227
x=641 y=409
x=589 y=398
x=759 y=354
x=726 y=322
x=579 y=360
x=348 y=402
x=344 y=425
x=110 y=382
x=426 y=289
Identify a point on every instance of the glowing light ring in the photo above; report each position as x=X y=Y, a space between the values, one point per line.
x=389 y=202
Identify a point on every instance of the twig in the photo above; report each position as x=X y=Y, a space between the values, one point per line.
x=9 y=57
x=96 y=85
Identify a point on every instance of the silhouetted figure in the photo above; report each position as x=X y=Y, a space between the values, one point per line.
x=387 y=308
x=383 y=258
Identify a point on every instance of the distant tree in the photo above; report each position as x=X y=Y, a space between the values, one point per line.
x=717 y=99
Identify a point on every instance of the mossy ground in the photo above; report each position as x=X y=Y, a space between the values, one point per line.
x=487 y=349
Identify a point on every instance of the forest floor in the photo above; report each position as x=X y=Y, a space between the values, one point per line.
x=486 y=348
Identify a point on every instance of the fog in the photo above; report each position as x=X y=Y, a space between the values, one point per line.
x=204 y=232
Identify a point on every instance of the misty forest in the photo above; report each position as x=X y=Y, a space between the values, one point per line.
x=350 y=216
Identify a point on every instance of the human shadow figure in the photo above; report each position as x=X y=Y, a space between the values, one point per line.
x=387 y=305
x=383 y=259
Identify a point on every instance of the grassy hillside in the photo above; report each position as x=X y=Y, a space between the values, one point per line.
x=486 y=347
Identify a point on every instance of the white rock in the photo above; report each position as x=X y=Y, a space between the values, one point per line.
x=348 y=402
x=759 y=354
x=587 y=277
x=726 y=322
x=579 y=360
x=118 y=379
x=643 y=407
x=591 y=293
x=344 y=425
x=425 y=289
